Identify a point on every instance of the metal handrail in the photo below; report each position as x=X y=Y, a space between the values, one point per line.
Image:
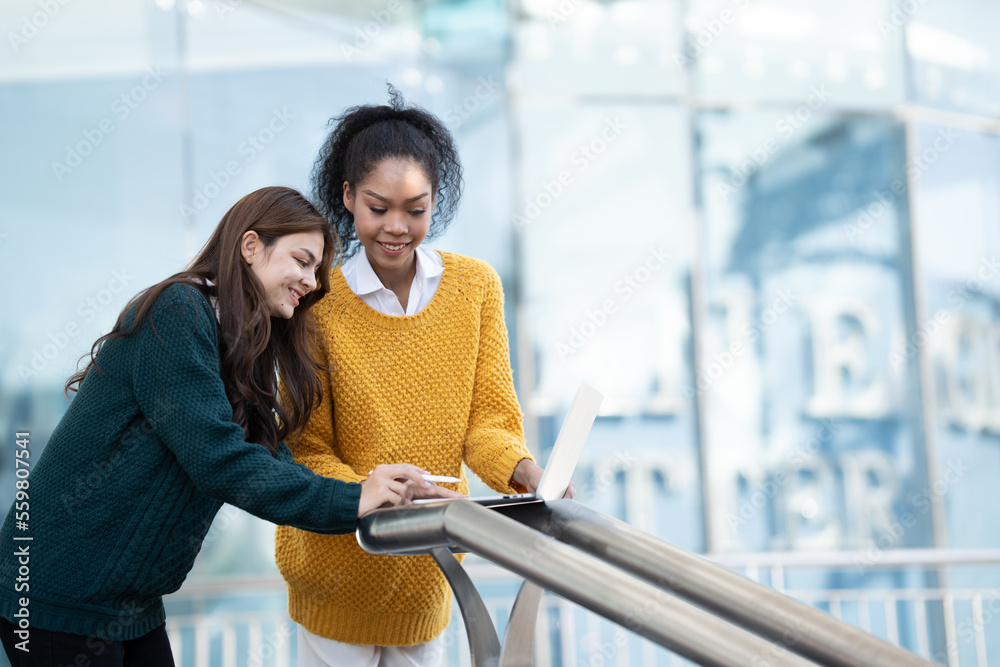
x=888 y=558
x=579 y=577
x=806 y=630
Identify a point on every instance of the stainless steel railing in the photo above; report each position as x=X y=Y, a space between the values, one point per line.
x=763 y=610
x=564 y=570
x=624 y=575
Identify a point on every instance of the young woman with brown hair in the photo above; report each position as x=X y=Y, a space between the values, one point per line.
x=180 y=410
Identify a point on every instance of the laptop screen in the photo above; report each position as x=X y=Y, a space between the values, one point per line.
x=569 y=443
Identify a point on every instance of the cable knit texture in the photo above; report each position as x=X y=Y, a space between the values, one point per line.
x=125 y=491
x=433 y=389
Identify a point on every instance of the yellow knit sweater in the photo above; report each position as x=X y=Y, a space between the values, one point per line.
x=432 y=389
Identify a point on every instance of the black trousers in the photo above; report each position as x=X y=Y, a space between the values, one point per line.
x=59 y=649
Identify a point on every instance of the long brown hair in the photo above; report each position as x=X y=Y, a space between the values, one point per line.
x=253 y=346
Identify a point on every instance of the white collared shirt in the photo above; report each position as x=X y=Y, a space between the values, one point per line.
x=361 y=278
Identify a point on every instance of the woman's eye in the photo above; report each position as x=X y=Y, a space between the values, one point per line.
x=418 y=212
x=376 y=210
x=302 y=263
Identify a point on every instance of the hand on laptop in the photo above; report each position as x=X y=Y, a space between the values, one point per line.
x=528 y=474
x=398 y=484
x=432 y=492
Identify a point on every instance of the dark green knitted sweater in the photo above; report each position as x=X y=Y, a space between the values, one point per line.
x=131 y=478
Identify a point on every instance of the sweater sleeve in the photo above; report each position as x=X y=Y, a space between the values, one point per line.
x=177 y=383
x=315 y=447
x=494 y=443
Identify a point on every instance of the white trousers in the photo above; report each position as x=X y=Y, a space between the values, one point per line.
x=316 y=651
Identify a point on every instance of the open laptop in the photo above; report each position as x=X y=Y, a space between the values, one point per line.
x=563 y=459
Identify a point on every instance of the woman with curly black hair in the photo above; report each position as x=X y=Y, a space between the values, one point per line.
x=421 y=373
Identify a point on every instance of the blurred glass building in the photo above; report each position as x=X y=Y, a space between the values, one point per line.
x=768 y=231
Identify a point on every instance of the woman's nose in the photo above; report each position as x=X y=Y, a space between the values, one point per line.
x=396 y=225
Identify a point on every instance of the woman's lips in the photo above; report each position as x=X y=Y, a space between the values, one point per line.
x=392 y=249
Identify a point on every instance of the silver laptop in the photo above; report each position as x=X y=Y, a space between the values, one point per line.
x=563 y=459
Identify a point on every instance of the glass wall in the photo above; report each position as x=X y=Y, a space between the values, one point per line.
x=768 y=232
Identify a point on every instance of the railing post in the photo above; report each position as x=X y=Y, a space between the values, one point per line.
x=519 y=638
x=483 y=643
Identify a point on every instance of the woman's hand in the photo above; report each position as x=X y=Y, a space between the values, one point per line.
x=528 y=474
x=398 y=484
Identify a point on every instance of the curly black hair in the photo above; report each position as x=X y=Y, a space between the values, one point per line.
x=364 y=136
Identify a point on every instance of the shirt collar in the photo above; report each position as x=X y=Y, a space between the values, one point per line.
x=368 y=281
x=428 y=265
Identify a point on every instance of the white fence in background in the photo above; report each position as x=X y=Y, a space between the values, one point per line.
x=568 y=636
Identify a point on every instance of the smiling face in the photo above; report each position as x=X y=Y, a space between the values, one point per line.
x=392 y=210
x=286 y=269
